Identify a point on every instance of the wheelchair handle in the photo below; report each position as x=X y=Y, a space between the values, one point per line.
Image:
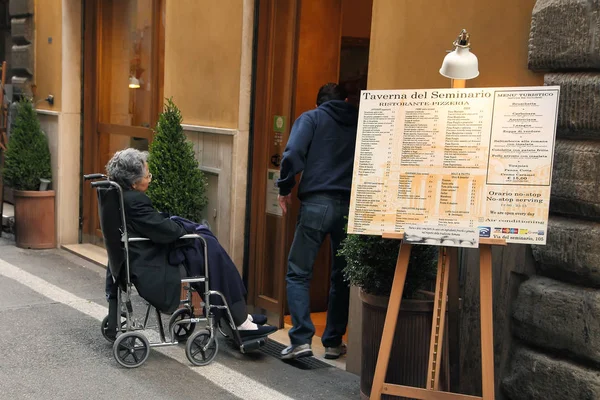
x=101 y=184
x=94 y=176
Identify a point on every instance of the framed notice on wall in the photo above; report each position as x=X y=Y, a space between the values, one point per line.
x=272 y=204
x=450 y=164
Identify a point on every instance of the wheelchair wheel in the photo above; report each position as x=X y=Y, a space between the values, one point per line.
x=104 y=327
x=182 y=331
x=224 y=328
x=131 y=349
x=194 y=349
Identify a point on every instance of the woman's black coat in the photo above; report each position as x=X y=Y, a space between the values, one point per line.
x=158 y=282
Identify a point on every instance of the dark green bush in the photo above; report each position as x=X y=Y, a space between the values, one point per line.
x=178 y=187
x=372 y=263
x=27 y=157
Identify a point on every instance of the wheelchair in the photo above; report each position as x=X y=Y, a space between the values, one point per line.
x=131 y=348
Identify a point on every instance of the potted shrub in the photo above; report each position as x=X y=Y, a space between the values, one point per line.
x=371 y=265
x=26 y=169
x=178 y=185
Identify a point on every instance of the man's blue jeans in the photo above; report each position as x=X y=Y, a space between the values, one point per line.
x=320 y=215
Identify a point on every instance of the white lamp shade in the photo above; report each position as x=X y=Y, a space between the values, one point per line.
x=460 y=64
x=134 y=83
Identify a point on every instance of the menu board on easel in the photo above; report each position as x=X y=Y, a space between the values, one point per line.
x=447 y=166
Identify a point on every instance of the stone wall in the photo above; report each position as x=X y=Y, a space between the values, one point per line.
x=23 y=50
x=556 y=316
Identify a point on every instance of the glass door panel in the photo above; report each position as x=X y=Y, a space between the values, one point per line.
x=127 y=63
x=124 y=92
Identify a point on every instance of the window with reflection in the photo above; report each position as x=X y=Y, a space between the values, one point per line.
x=125 y=79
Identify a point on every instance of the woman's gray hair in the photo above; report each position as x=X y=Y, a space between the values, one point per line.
x=126 y=167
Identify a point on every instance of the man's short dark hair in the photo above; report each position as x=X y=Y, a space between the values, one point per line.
x=331 y=91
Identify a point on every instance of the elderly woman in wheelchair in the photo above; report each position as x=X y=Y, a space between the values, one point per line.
x=157 y=254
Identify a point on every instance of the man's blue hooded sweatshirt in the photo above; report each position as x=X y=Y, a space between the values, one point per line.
x=321 y=146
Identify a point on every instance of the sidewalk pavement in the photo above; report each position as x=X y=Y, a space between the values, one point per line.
x=51 y=304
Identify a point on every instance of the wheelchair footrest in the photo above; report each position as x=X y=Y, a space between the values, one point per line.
x=253 y=344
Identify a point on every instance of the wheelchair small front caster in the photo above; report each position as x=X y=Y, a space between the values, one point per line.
x=104 y=327
x=195 y=351
x=182 y=331
x=131 y=349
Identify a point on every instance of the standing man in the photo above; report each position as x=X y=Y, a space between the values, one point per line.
x=321 y=146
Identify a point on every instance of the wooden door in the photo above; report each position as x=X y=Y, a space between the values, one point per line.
x=273 y=97
x=318 y=60
x=122 y=92
x=298 y=51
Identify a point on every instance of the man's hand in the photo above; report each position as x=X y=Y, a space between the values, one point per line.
x=284 y=201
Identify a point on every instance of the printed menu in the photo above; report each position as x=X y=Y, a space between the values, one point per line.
x=475 y=160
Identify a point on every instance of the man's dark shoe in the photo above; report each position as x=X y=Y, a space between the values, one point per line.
x=259 y=319
x=296 y=351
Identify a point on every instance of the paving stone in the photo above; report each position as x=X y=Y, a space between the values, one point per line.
x=578 y=115
x=23 y=59
x=21 y=30
x=17 y=8
x=559 y=317
x=565 y=35
x=576 y=179
x=21 y=88
x=535 y=375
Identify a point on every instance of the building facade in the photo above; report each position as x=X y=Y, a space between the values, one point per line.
x=241 y=71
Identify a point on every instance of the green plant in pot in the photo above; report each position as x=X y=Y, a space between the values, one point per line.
x=26 y=168
x=371 y=263
x=178 y=185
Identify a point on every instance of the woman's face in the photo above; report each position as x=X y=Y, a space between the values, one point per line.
x=142 y=184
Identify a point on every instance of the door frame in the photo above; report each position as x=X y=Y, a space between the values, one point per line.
x=263 y=102
x=267 y=103
x=93 y=130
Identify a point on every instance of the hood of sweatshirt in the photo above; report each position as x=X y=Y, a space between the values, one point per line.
x=342 y=112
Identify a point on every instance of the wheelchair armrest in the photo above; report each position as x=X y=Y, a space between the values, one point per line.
x=190 y=236
x=194 y=279
x=143 y=239
x=135 y=239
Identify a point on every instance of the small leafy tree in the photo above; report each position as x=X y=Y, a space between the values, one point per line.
x=27 y=158
x=371 y=263
x=178 y=186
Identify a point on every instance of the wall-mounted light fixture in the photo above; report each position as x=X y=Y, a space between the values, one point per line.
x=134 y=83
x=49 y=99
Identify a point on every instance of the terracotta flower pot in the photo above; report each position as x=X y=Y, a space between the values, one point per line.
x=35 y=226
x=410 y=349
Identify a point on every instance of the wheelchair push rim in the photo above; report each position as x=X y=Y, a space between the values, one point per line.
x=104 y=327
x=181 y=331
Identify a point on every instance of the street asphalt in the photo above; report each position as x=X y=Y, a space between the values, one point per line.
x=51 y=305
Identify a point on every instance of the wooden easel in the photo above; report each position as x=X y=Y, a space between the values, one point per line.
x=432 y=392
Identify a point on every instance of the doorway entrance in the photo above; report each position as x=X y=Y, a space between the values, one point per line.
x=302 y=44
x=123 y=48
